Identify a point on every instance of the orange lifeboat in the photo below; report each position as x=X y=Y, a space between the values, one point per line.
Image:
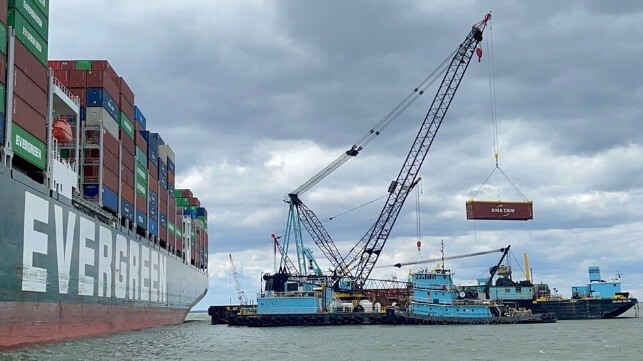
x=62 y=131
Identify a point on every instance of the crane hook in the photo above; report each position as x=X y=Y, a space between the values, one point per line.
x=479 y=53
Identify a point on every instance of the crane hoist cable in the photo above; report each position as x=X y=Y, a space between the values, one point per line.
x=378 y=128
x=494 y=119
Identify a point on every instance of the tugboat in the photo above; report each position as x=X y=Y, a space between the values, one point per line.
x=435 y=300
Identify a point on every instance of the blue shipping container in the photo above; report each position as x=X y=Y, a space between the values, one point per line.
x=202 y=212
x=157 y=138
x=154 y=198
x=139 y=117
x=90 y=190
x=127 y=210
x=189 y=212
x=110 y=199
x=170 y=190
x=153 y=212
x=162 y=167
x=163 y=220
x=141 y=219
x=83 y=113
x=154 y=227
x=98 y=97
x=170 y=166
x=163 y=182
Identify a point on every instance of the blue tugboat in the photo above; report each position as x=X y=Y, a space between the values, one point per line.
x=436 y=300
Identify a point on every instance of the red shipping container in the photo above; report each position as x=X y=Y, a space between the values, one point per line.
x=163 y=197
x=153 y=171
x=110 y=180
x=126 y=107
x=154 y=184
x=186 y=193
x=140 y=141
x=110 y=162
x=170 y=178
x=498 y=210
x=55 y=65
x=126 y=140
x=141 y=203
x=128 y=160
x=28 y=91
x=3 y=70
x=179 y=244
x=62 y=76
x=90 y=173
x=101 y=79
x=162 y=206
x=77 y=78
x=194 y=201
x=30 y=65
x=127 y=177
x=110 y=143
x=29 y=119
x=127 y=193
x=81 y=93
x=3 y=11
x=125 y=91
x=105 y=66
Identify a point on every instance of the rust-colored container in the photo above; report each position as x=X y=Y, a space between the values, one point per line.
x=77 y=78
x=61 y=64
x=163 y=233
x=162 y=204
x=186 y=193
x=126 y=140
x=141 y=203
x=498 y=210
x=140 y=141
x=127 y=176
x=29 y=92
x=31 y=66
x=194 y=201
x=81 y=93
x=110 y=162
x=110 y=180
x=3 y=12
x=101 y=79
x=154 y=184
x=29 y=119
x=105 y=66
x=153 y=171
x=62 y=76
x=128 y=160
x=127 y=193
x=110 y=143
x=163 y=196
x=126 y=92
x=126 y=107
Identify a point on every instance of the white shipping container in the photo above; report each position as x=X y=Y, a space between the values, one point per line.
x=165 y=152
x=98 y=116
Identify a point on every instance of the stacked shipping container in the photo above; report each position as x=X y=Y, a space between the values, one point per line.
x=132 y=167
x=29 y=19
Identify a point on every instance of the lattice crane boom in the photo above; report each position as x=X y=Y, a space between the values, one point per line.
x=367 y=251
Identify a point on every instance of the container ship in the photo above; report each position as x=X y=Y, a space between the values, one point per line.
x=95 y=237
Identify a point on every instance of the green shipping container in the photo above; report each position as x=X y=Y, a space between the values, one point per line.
x=83 y=65
x=170 y=227
x=33 y=14
x=141 y=173
x=182 y=202
x=28 y=147
x=141 y=157
x=28 y=36
x=127 y=125
x=43 y=5
x=64 y=153
x=178 y=193
x=3 y=37
x=141 y=188
x=178 y=232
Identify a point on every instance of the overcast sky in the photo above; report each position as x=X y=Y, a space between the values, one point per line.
x=255 y=97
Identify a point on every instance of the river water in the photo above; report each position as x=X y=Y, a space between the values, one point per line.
x=196 y=339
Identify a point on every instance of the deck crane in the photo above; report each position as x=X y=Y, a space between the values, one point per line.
x=241 y=295
x=361 y=259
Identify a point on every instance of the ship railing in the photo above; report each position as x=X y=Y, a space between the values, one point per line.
x=64 y=89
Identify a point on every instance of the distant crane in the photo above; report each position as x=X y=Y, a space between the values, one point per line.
x=243 y=300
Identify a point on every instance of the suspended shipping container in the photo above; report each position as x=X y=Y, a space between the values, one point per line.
x=498 y=210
